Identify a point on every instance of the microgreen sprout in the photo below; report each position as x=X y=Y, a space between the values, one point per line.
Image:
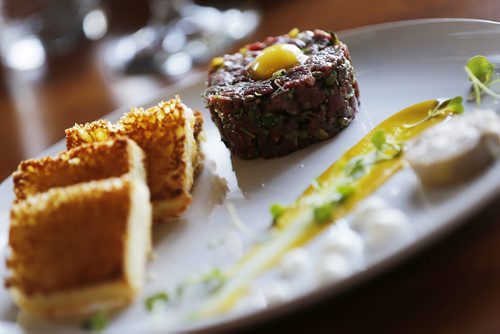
x=159 y=298
x=316 y=185
x=210 y=282
x=453 y=105
x=276 y=211
x=97 y=322
x=323 y=213
x=481 y=73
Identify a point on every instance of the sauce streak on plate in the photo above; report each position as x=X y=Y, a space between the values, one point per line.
x=299 y=224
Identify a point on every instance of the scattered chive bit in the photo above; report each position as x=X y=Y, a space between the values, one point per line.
x=97 y=322
x=335 y=38
x=355 y=168
x=316 y=185
x=151 y=301
x=213 y=280
x=482 y=75
x=210 y=281
x=276 y=211
x=453 y=105
x=379 y=140
x=278 y=74
x=323 y=213
x=248 y=133
x=345 y=190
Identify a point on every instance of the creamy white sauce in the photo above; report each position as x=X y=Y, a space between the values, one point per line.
x=340 y=239
x=275 y=292
x=295 y=263
x=333 y=267
x=365 y=210
x=386 y=227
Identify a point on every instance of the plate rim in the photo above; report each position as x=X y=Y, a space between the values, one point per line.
x=321 y=293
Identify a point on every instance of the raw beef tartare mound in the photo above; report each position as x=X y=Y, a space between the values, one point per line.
x=283 y=94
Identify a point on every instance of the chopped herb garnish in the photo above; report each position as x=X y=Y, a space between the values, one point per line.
x=210 y=282
x=321 y=134
x=213 y=280
x=453 y=106
x=355 y=168
x=97 y=322
x=316 y=185
x=335 y=39
x=331 y=79
x=270 y=119
x=249 y=134
x=481 y=73
x=346 y=189
x=323 y=213
x=276 y=211
x=378 y=139
x=279 y=73
x=160 y=297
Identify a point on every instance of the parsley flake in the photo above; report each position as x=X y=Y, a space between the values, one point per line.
x=160 y=297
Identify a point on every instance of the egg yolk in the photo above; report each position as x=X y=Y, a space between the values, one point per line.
x=274 y=58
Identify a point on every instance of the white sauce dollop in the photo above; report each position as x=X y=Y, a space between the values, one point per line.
x=275 y=292
x=333 y=267
x=365 y=210
x=295 y=263
x=340 y=239
x=386 y=227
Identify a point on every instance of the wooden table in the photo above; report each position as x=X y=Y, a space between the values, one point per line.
x=453 y=287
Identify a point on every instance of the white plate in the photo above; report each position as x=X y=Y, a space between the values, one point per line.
x=398 y=64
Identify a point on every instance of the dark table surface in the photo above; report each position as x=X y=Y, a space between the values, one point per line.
x=452 y=287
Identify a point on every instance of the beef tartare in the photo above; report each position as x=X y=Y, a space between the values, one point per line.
x=283 y=94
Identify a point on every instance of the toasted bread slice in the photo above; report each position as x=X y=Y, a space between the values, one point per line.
x=85 y=163
x=80 y=248
x=170 y=135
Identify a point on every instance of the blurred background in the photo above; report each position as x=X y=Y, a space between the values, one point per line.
x=67 y=61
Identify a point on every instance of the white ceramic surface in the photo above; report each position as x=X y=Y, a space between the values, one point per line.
x=398 y=64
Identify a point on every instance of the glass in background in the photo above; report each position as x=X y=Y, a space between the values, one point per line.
x=180 y=34
x=32 y=30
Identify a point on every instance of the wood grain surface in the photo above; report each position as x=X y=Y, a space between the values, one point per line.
x=452 y=287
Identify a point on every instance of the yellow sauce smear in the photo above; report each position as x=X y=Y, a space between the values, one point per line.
x=295 y=227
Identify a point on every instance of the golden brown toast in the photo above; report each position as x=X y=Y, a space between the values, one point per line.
x=89 y=162
x=170 y=135
x=79 y=248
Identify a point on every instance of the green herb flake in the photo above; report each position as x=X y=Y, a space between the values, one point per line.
x=213 y=280
x=355 y=168
x=279 y=74
x=248 y=133
x=329 y=81
x=270 y=120
x=97 y=322
x=379 y=140
x=277 y=210
x=316 y=185
x=160 y=297
x=481 y=73
x=345 y=190
x=323 y=213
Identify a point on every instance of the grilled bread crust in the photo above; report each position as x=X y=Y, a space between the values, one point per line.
x=88 y=162
x=170 y=135
x=78 y=248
